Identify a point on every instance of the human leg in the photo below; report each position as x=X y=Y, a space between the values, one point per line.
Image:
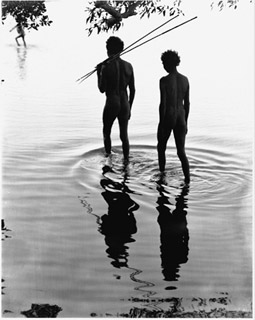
x=23 y=38
x=180 y=137
x=123 y=125
x=162 y=136
x=108 y=119
x=17 y=40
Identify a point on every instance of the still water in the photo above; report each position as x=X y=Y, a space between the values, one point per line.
x=101 y=238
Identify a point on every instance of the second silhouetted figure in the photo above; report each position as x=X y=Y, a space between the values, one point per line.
x=173 y=111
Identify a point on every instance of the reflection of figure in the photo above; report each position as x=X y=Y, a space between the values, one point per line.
x=114 y=78
x=119 y=224
x=173 y=111
x=21 y=33
x=174 y=234
x=22 y=55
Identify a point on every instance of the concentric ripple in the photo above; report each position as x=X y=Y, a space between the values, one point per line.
x=214 y=174
x=212 y=214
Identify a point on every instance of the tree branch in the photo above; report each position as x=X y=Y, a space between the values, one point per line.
x=131 y=10
x=116 y=16
x=109 y=9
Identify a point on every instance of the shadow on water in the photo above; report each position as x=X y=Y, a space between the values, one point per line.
x=174 y=234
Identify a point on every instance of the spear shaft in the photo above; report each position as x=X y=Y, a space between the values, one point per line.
x=159 y=35
x=116 y=55
x=128 y=49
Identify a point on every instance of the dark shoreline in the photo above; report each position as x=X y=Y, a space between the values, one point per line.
x=145 y=313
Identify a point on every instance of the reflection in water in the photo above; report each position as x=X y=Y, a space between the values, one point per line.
x=119 y=223
x=22 y=55
x=174 y=234
x=118 y=226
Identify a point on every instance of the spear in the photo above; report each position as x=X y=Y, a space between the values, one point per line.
x=122 y=52
x=128 y=49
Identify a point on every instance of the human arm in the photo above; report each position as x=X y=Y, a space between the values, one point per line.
x=131 y=89
x=101 y=82
x=13 y=28
x=162 y=105
x=186 y=104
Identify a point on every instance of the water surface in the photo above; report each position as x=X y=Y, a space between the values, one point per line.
x=96 y=236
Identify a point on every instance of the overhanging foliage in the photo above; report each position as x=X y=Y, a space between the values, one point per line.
x=108 y=15
x=31 y=14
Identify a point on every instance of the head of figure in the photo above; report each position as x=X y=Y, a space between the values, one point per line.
x=114 y=45
x=170 y=60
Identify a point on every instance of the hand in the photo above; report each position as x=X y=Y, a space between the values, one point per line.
x=186 y=126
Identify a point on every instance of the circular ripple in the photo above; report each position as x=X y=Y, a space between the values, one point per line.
x=214 y=174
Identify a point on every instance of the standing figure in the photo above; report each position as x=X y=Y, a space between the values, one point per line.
x=21 y=33
x=173 y=111
x=114 y=77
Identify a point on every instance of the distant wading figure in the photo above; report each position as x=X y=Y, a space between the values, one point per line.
x=21 y=33
x=173 y=111
x=114 y=77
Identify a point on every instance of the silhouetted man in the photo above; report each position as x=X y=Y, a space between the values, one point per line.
x=114 y=78
x=173 y=111
x=21 y=33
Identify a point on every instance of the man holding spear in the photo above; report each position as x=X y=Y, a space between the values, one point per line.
x=115 y=76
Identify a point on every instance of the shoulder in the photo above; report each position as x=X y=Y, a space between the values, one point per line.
x=183 y=77
x=164 y=80
x=127 y=64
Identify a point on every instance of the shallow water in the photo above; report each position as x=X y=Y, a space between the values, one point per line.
x=96 y=236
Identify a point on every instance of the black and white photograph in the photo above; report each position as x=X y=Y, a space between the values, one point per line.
x=127 y=158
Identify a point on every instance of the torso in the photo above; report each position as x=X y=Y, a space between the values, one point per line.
x=118 y=75
x=175 y=86
x=20 y=30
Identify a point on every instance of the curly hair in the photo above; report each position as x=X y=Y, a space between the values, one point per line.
x=114 y=45
x=170 y=58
